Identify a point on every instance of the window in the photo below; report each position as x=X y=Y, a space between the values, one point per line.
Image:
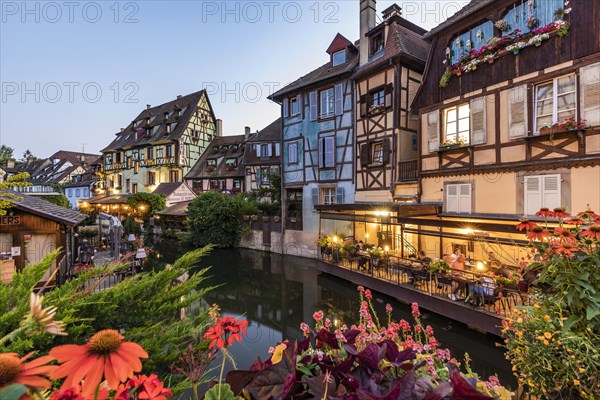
x=376 y=44
x=327 y=152
x=328 y=196
x=543 y=11
x=151 y=178
x=134 y=188
x=339 y=57
x=294 y=106
x=211 y=163
x=150 y=153
x=169 y=148
x=108 y=158
x=127 y=185
x=456 y=124
x=555 y=101
x=327 y=103
x=174 y=176
x=458 y=198
x=377 y=152
x=168 y=128
x=231 y=162
x=264 y=175
x=237 y=184
x=265 y=150
x=293 y=153
x=541 y=191
x=159 y=152
x=86 y=192
x=377 y=101
x=119 y=181
x=77 y=192
x=70 y=192
x=136 y=167
x=118 y=157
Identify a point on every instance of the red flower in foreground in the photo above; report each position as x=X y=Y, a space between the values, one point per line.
x=567 y=249
x=574 y=221
x=32 y=374
x=225 y=332
x=143 y=387
x=75 y=393
x=105 y=354
x=563 y=233
x=544 y=212
x=593 y=232
x=525 y=224
x=560 y=213
x=537 y=233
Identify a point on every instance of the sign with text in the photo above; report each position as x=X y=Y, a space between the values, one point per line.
x=10 y=220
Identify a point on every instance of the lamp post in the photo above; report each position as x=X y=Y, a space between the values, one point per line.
x=140 y=256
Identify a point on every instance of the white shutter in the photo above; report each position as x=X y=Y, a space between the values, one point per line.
x=551 y=193
x=315 y=196
x=533 y=194
x=313 y=104
x=433 y=130
x=339 y=99
x=269 y=149
x=589 y=81
x=517 y=112
x=292 y=153
x=464 y=198
x=257 y=149
x=329 y=151
x=452 y=198
x=277 y=149
x=339 y=194
x=286 y=108
x=478 y=125
x=300 y=106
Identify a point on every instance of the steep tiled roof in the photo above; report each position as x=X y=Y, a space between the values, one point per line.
x=45 y=209
x=127 y=138
x=166 y=188
x=467 y=10
x=214 y=152
x=271 y=133
x=323 y=73
x=57 y=167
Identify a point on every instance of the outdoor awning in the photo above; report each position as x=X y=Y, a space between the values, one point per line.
x=109 y=199
x=404 y=209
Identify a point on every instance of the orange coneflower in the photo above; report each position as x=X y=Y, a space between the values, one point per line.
x=537 y=233
x=575 y=221
x=563 y=233
x=560 y=212
x=525 y=224
x=544 y=212
x=593 y=232
x=33 y=374
x=588 y=214
x=105 y=354
x=567 y=249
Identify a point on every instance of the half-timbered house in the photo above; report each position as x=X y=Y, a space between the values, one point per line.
x=318 y=137
x=160 y=145
x=262 y=158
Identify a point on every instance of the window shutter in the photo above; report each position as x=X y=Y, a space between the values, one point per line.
x=386 y=150
x=517 y=112
x=299 y=100
x=389 y=90
x=363 y=105
x=452 y=198
x=269 y=149
x=313 y=103
x=551 y=194
x=339 y=99
x=589 y=81
x=464 y=198
x=339 y=194
x=433 y=130
x=286 y=108
x=257 y=148
x=329 y=151
x=315 y=196
x=277 y=149
x=364 y=155
x=292 y=153
x=478 y=127
x=533 y=194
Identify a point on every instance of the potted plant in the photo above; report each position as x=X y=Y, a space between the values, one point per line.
x=453 y=144
x=501 y=25
x=276 y=218
x=567 y=125
x=324 y=244
x=294 y=217
x=508 y=283
x=439 y=267
x=376 y=253
x=254 y=217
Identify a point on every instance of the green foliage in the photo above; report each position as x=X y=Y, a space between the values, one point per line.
x=268 y=198
x=146 y=204
x=6 y=153
x=220 y=392
x=247 y=204
x=8 y=198
x=88 y=233
x=214 y=218
x=130 y=226
x=146 y=306
x=60 y=200
x=13 y=392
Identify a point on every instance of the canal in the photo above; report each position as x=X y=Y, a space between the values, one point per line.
x=276 y=293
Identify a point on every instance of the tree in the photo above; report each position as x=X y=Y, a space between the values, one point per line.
x=6 y=153
x=269 y=197
x=59 y=200
x=7 y=198
x=146 y=204
x=214 y=218
x=28 y=156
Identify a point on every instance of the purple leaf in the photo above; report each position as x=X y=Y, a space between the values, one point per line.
x=324 y=336
x=276 y=380
x=351 y=335
x=461 y=389
x=371 y=355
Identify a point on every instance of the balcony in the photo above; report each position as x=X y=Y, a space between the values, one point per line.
x=407 y=171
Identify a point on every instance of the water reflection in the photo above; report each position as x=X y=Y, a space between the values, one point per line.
x=276 y=293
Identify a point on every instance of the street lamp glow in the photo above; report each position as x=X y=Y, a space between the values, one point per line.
x=480 y=266
x=335 y=239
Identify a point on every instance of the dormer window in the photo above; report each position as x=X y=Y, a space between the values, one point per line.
x=376 y=44
x=231 y=162
x=168 y=128
x=339 y=58
x=211 y=163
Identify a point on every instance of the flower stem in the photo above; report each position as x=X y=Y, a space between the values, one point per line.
x=222 y=369
x=11 y=336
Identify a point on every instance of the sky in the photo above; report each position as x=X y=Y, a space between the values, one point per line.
x=73 y=73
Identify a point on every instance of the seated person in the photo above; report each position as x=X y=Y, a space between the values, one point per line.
x=424 y=259
x=360 y=246
x=457 y=262
x=487 y=289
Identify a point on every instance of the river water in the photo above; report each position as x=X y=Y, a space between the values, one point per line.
x=276 y=293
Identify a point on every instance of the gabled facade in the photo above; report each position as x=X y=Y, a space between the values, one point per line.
x=318 y=137
x=262 y=156
x=160 y=145
x=175 y=193
x=392 y=60
x=80 y=188
x=220 y=167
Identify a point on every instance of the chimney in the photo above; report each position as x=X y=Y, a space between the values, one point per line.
x=219 y=127
x=392 y=11
x=148 y=106
x=247 y=132
x=179 y=96
x=122 y=129
x=368 y=13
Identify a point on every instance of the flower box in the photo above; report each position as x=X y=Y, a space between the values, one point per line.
x=553 y=131
x=451 y=146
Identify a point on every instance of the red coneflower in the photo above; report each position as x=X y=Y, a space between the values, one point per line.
x=225 y=332
x=560 y=212
x=537 y=233
x=525 y=224
x=105 y=354
x=33 y=374
x=593 y=232
x=545 y=213
x=574 y=221
x=588 y=214
x=563 y=233
x=567 y=249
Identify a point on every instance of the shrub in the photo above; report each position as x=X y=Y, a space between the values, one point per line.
x=214 y=218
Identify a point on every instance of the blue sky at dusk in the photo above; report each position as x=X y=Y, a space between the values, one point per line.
x=74 y=73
